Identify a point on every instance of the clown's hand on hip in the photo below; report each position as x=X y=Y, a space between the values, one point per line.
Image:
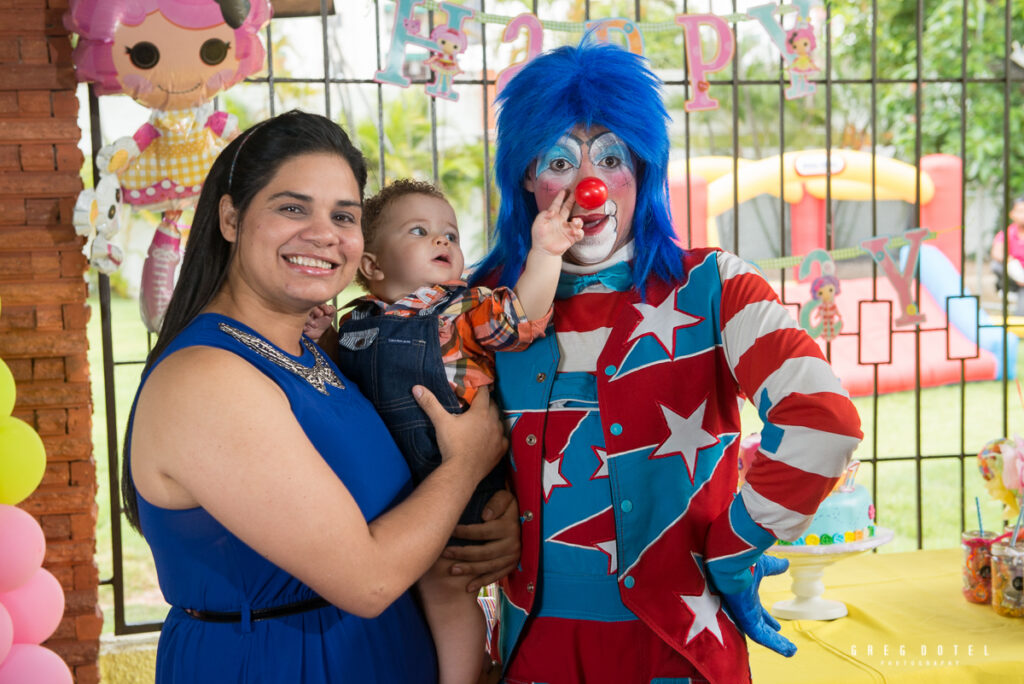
x=553 y=231
x=116 y=156
x=753 y=618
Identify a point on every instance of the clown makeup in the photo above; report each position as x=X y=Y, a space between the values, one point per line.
x=584 y=153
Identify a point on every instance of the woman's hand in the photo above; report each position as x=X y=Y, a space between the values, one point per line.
x=492 y=561
x=474 y=440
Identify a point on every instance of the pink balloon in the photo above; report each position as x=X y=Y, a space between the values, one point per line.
x=31 y=663
x=36 y=608
x=22 y=546
x=6 y=632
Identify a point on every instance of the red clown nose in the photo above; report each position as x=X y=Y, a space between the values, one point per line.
x=591 y=193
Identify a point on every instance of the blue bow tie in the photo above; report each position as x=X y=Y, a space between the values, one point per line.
x=618 y=277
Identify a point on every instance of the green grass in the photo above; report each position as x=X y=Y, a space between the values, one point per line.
x=898 y=483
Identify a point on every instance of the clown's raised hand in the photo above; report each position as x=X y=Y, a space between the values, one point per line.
x=553 y=231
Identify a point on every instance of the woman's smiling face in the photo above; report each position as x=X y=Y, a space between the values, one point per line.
x=300 y=239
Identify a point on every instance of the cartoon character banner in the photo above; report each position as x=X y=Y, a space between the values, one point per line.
x=447 y=41
x=172 y=56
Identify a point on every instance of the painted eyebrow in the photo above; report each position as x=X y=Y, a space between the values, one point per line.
x=306 y=198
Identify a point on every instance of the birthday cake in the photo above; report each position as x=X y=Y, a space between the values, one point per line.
x=846 y=515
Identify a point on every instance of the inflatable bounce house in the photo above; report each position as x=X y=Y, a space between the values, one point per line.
x=869 y=322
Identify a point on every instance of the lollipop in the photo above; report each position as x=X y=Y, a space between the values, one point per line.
x=1001 y=462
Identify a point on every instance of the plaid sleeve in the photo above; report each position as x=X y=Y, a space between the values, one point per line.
x=495 y=321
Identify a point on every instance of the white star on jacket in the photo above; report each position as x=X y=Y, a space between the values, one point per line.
x=662 y=321
x=552 y=476
x=686 y=436
x=704 y=608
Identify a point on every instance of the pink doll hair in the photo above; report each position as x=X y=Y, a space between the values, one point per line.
x=95 y=21
x=457 y=37
x=802 y=32
x=821 y=281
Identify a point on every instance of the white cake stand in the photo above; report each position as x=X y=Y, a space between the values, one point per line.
x=807 y=567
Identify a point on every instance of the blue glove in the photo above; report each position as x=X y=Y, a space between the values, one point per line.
x=752 y=618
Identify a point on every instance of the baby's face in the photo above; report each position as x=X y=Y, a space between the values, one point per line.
x=417 y=245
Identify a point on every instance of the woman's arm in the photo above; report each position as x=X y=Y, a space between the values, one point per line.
x=212 y=431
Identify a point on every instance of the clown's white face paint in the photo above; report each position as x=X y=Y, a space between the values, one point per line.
x=582 y=153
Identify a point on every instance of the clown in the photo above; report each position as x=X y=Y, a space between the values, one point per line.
x=639 y=558
x=172 y=56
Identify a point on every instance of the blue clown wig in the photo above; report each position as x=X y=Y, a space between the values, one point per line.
x=591 y=84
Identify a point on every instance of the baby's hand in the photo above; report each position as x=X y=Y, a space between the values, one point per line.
x=319 y=320
x=553 y=231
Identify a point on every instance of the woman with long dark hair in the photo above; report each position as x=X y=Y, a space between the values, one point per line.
x=284 y=527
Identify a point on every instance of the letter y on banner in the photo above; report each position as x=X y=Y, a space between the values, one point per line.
x=909 y=311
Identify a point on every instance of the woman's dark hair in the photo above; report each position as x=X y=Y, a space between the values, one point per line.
x=241 y=170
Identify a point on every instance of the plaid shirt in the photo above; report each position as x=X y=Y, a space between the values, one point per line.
x=472 y=328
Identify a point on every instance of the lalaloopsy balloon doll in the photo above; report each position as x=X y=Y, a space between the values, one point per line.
x=172 y=56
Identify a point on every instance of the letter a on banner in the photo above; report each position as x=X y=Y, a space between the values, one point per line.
x=909 y=311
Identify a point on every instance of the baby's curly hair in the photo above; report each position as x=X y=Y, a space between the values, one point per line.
x=373 y=209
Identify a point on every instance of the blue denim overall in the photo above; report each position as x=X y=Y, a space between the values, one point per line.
x=386 y=356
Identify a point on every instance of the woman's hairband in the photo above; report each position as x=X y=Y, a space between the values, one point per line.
x=238 y=150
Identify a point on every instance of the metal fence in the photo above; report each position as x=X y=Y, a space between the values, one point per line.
x=922 y=83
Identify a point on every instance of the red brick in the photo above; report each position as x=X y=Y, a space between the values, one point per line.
x=56 y=473
x=79 y=602
x=42 y=211
x=48 y=369
x=83 y=473
x=68 y=448
x=76 y=369
x=38 y=157
x=12 y=211
x=56 y=526
x=43 y=395
x=40 y=184
x=87 y=674
x=21 y=369
x=46 y=265
x=34 y=102
x=17 y=266
x=75 y=652
x=69 y=157
x=65 y=500
x=65 y=629
x=52 y=422
x=8 y=51
x=10 y=160
x=33 y=50
x=89 y=626
x=59 y=49
x=73 y=263
x=65 y=574
x=16 y=317
x=35 y=237
x=26 y=294
x=87 y=576
x=50 y=316
x=76 y=315
x=8 y=101
x=22 y=21
x=38 y=129
x=65 y=104
x=36 y=76
x=83 y=525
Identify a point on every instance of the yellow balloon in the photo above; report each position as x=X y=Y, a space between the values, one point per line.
x=22 y=460
x=7 y=390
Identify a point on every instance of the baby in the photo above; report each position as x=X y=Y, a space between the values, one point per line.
x=421 y=324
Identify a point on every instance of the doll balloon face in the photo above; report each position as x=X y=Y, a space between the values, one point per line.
x=166 y=66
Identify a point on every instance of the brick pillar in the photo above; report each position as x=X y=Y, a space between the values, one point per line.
x=44 y=310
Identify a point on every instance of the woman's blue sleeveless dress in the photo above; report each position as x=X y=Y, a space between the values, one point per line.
x=203 y=566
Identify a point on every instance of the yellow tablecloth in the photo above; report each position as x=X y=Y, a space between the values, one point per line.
x=908 y=622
